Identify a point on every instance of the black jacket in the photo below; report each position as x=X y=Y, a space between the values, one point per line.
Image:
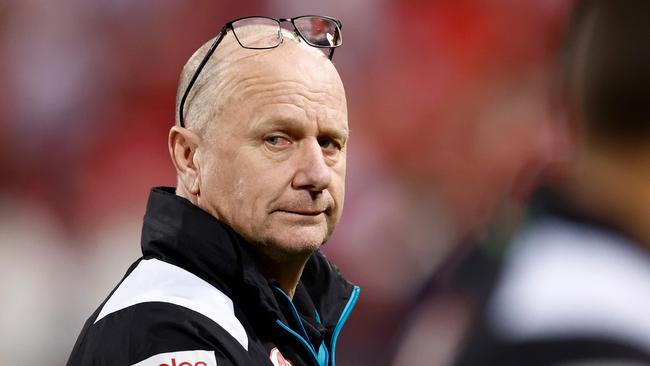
x=195 y=298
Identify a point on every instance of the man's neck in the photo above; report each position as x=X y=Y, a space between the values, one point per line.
x=615 y=186
x=285 y=268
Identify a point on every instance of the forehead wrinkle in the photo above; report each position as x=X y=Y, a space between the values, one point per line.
x=313 y=105
x=269 y=88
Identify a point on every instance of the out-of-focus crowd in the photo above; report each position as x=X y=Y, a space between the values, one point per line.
x=451 y=124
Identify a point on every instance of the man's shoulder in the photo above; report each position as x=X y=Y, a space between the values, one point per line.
x=160 y=308
x=156 y=281
x=563 y=275
x=140 y=331
x=568 y=290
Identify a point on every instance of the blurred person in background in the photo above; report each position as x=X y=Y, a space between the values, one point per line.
x=574 y=288
x=468 y=142
x=231 y=272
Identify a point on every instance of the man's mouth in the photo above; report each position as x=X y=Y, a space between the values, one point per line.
x=303 y=212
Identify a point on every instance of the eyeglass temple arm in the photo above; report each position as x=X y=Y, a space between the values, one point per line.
x=213 y=47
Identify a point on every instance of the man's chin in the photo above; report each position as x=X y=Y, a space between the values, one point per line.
x=294 y=241
x=299 y=244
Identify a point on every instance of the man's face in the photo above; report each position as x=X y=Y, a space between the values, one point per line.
x=273 y=162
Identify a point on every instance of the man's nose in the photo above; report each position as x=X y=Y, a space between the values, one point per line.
x=312 y=171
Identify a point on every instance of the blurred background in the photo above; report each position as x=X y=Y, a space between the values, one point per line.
x=451 y=118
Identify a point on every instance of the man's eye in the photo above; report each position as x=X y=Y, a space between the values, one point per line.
x=277 y=141
x=328 y=144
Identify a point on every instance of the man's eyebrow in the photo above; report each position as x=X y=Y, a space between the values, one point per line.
x=291 y=122
x=279 y=121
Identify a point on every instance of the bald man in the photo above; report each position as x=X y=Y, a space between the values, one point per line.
x=231 y=272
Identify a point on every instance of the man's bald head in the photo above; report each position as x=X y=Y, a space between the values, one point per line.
x=227 y=66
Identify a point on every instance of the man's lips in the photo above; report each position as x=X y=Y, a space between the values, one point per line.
x=303 y=212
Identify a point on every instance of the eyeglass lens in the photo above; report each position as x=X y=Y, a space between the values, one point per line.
x=257 y=33
x=318 y=32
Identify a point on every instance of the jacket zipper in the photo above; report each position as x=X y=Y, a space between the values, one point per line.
x=322 y=358
x=342 y=319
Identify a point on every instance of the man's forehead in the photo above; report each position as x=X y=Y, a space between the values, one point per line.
x=246 y=77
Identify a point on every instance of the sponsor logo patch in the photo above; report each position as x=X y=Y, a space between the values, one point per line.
x=277 y=359
x=181 y=358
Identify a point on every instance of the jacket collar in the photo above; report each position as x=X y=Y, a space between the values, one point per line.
x=178 y=232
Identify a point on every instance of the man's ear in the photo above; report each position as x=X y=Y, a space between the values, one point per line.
x=183 y=148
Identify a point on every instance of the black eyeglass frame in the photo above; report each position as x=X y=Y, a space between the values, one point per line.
x=229 y=25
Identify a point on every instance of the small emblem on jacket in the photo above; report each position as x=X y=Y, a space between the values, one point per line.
x=277 y=359
x=181 y=358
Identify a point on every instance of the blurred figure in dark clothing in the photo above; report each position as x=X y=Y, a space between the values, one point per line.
x=574 y=288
